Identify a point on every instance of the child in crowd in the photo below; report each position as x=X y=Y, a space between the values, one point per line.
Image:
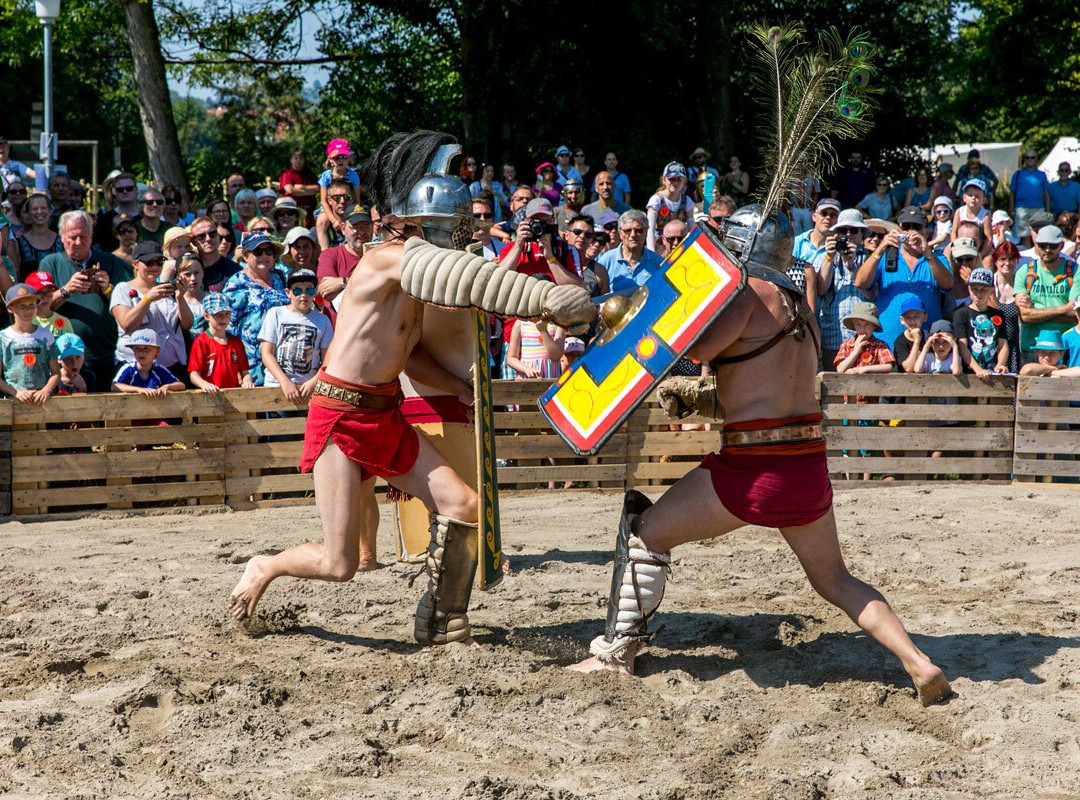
x=1001 y=225
x=338 y=154
x=1071 y=339
x=218 y=360
x=980 y=329
x=189 y=276
x=573 y=347
x=293 y=339
x=940 y=355
x=73 y=378
x=535 y=350
x=28 y=352
x=942 y=224
x=145 y=376
x=45 y=286
x=1049 y=350
x=973 y=210
x=863 y=352
x=909 y=343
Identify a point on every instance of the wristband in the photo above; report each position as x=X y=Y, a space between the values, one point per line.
x=552 y=260
x=65 y=293
x=344 y=281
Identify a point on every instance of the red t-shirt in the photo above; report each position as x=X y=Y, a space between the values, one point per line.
x=532 y=262
x=335 y=262
x=291 y=177
x=220 y=364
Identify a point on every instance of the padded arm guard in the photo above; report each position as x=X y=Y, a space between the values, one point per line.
x=680 y=397
x=441 y=615
x=453 y=279
x=637 y=586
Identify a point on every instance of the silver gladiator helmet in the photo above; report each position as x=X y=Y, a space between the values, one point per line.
x=762 y=243
x=440 y=203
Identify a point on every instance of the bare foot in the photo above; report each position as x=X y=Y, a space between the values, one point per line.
x=367 y=564
x=933 y=688
x=245 y=595
x=623 y=665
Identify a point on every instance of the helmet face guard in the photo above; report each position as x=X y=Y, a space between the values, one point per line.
x=440 y=203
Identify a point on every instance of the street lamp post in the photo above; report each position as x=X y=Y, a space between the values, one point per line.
x=47 y=13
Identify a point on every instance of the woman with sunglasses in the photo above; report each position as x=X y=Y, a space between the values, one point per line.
x=175 y=213
x=37 y=240
x=879 y=203
x=546 y=184
x=127 y=234
x=578 y=162
x=14 y=200
x=252 y=292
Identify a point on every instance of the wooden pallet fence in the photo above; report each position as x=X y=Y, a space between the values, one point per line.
x=1047 y=444
x=917 y=427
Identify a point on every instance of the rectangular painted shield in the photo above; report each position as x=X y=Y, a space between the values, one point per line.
x=669 y=313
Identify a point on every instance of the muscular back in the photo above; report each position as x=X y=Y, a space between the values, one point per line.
x=778 y=383
x=378 y=325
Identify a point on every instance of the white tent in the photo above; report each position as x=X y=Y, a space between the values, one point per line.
x=1067 y=148
x=1001 y=157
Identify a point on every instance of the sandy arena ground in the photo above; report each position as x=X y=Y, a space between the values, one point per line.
x=122 y=677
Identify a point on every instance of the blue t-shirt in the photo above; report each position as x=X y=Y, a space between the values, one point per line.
x=878 y=207
x=328 y=176
x=159 y=376
x=621 y=276
x=1063 y=198
x=918 y=280
x=1071 y=340
x=1028 y=185
x=622 y=186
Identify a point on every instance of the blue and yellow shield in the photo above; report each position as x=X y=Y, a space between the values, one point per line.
x=661 y=321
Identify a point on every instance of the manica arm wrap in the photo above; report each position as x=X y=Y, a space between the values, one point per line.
x=454 y=279
x=680 y=397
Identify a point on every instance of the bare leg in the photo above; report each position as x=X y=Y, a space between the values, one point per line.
x=435 y=483
x=818 y=551
x=369 y=530
x=689 y=511
x=338 y=495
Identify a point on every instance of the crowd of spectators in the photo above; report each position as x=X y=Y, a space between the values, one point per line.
x=151 y=296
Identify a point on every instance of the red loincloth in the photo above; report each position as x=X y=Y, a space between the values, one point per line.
x=435 y=408
x=781 y=485
x=381 y=442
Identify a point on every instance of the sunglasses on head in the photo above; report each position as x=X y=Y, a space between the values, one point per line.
x=263 y=250
x=297 y=291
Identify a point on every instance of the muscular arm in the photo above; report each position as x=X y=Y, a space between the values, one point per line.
x=1062 y=313
x=422 y=367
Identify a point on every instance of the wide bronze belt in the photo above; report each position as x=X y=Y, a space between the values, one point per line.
x=354 y=397
x=787 y=433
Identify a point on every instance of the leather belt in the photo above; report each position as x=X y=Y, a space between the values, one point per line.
x=788 y=433
x=354 y=397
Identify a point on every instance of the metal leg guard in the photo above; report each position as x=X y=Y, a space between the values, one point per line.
x=637 y=586
x=441 y=615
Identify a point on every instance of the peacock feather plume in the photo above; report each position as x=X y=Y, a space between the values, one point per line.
x=815 y=96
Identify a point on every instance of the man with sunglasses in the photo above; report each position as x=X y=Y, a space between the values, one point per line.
x=519 y=199
x=830 y=283
x=670 y=237
x=339 y=196
x=293 y=339
x=1029 y=192
x=1045 y=289
x=149 y=223
x=630 y=264
x=808 y=249
x=125 y=193
x=216 y=268
x=606 y=200
x=1064 y=192
x=484 y=216
x=718 y=209
x=917 y=270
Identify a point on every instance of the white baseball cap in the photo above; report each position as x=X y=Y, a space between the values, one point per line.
x=143 y=337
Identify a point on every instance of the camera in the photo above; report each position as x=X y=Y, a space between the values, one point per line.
x=903 y=238
x=841 y=244
x=537 y=228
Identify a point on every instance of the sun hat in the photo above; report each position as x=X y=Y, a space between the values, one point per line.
x=253 y=241
x=144 y=337
x=18 y=292
x=301 y=276
x=40 y=281
x=338 y=147
x=849 y=218
x=544 y=165
x=981 y=276
x=673 y=169
x=70 y=344
x=296 y=234
x=865 y=311
x=881 y=226
x=1049 y=340
x=964 y=247
x=941 y=326
x=284 y=203
x=538 y=206
x=145 y=251
x=215 y=303
x=911 y=302
x=910 y=214
x=943 y=200
x=700 y=151
x=1049 y=234
x=172 y=234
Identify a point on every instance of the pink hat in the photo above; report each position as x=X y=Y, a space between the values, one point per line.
x=338 y=147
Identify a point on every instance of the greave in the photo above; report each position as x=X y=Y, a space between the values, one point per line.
x=441 y=615
x=637 y=586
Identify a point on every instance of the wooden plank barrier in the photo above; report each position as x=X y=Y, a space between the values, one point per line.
x=1047 y=446
x=914 y=427
x=241 y=447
